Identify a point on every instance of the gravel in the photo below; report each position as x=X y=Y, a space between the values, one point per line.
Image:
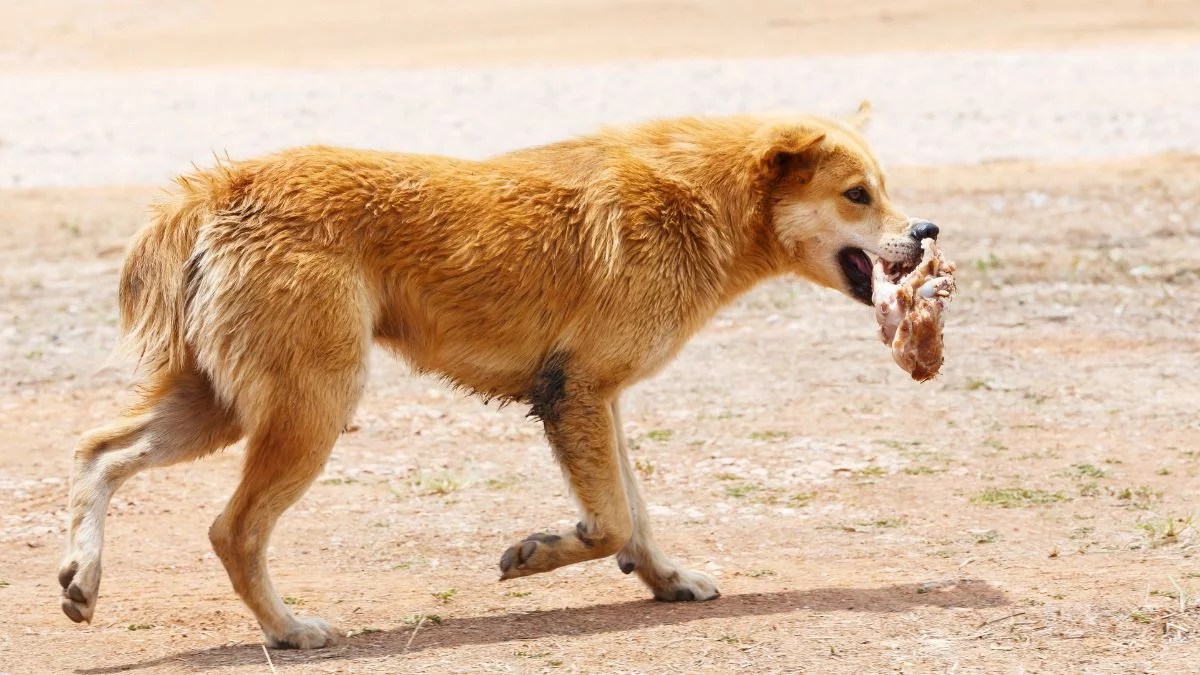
x=76 y=129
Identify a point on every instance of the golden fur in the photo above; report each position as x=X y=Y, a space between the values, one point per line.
x=555 y=276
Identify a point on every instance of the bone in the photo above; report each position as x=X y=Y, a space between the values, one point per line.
x=911 y=312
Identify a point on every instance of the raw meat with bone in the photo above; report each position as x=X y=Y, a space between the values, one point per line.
x=910 y=307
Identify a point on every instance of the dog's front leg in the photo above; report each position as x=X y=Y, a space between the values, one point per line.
x=579 y=426
x=641 y=554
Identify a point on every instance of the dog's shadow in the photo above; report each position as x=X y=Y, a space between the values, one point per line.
x=622 y=616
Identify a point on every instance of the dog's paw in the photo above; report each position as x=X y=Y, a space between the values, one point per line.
x=627 y=561
x=80 y=583
x=309 y=633
x=526 y=556
x=686 y=586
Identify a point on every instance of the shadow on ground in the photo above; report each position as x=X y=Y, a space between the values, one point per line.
x=624 y=616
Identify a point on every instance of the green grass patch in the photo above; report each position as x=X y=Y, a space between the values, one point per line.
x=994 y=444
x=1138 y=493
x=1088 y=471
x=506 y=483
x=761 y=573
x=976 y=383
x=437 y=485
x=801 y=499
x=1010 y=498
x=1166 y=531
x=989 y=537
x=1143 y=617
x=920 y=470
x=645 y=468
x=769 y=435
x=742 y=490
x=422 y=618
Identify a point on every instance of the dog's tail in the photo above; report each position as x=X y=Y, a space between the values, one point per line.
x=153 y=287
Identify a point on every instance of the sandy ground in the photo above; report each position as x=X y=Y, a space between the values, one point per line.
x=1034 y=509
x=152 y=34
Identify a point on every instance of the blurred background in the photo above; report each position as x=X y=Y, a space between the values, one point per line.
x=128 y=92
x=1034 y=508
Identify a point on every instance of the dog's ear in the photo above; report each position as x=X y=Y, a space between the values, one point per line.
x=861 y=117
x=787 y=148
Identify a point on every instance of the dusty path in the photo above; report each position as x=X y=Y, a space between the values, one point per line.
x=88 y=128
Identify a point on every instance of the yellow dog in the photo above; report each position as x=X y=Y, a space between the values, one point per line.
x=556 y=276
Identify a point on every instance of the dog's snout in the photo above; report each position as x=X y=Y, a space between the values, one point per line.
x=923 y=229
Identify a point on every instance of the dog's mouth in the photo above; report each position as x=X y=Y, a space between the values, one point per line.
x=857 y=268
x=895 y=271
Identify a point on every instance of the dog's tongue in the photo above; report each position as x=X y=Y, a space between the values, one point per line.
x=862 y=262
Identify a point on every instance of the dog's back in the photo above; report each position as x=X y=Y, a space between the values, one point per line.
x=473 y=270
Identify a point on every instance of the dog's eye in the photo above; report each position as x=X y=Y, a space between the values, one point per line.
x=858 y=196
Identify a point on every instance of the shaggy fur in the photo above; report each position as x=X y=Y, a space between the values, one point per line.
x=555 y=276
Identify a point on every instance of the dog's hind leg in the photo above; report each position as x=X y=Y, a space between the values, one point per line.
x=297 y=386
x=284 y=455
x=580 y=430
x=641 y=554
x=179 y=419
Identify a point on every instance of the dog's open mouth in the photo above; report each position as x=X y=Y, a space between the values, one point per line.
x=856 y=266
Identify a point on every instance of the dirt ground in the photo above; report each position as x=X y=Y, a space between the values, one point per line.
x=1034 y=509
x=1031 y=508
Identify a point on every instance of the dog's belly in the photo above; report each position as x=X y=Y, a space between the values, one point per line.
x=656 y=356
x=490 y=373
x=491 y=369
x=500 y=354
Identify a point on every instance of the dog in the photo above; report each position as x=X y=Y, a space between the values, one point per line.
x=555 y=276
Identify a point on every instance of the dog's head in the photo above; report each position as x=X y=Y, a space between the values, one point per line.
x=829 y=205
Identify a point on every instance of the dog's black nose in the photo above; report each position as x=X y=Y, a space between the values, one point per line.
x=923 y=229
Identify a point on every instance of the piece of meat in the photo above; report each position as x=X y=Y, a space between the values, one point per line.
x=910 y=310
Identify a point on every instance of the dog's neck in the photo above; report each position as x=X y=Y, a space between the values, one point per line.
x=731 y=180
